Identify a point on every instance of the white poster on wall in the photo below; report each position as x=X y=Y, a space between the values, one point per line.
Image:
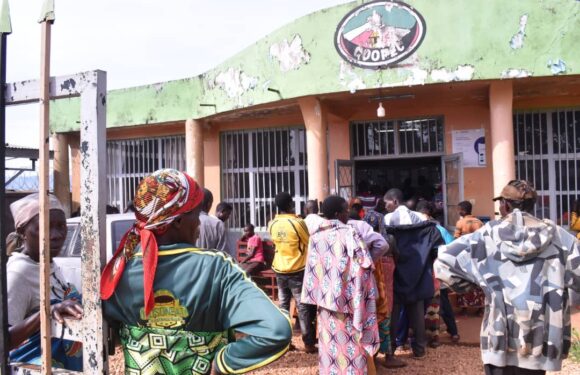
x=471 y=143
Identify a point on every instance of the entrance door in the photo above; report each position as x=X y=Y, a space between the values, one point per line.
x=344 y=172
x=452 y=167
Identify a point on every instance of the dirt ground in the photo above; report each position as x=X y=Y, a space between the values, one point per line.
x=445 y=360
x=448 y=359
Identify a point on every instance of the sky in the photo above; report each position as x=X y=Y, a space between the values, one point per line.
x=137 y=42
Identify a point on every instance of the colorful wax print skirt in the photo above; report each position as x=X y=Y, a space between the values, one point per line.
x=340 y=346
x=389 y=274
x=473 y=298
x=432 y=316
x=151 y=351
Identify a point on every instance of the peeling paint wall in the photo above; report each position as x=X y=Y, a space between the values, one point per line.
x=349 y=78
x=461 y=73
x=517 y=40
x=474 y=40
x=235 y=83
x=290 y=55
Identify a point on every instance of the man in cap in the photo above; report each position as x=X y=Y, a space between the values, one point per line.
x=525 y=266
x=178 y=304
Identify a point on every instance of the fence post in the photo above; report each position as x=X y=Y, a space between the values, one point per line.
x=93 y=220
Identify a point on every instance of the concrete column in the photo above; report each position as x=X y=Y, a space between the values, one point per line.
x=315 y=120
x=194 y=149
x=75 y=152
x=61 y=171
x=502 y=134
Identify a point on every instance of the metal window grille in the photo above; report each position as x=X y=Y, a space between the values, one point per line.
x=128 y=161
x=392 y=138
x=547 y=148
x=258 y=164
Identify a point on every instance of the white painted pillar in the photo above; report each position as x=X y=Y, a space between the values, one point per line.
x=194 y=149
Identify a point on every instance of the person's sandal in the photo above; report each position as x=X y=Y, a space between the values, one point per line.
x=390 y=361
x=310 y=349
x=434 y=344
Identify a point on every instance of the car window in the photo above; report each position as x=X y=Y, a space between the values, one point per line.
x=76 y=249
x=71 y=235
x=119 y=228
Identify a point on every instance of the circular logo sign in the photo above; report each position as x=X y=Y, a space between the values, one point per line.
x=379 y=33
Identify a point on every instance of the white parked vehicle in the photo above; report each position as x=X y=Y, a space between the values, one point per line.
x=69 y=259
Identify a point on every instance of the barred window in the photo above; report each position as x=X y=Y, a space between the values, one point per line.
x=397 y=137
x=128 y=161
x=547 y=148
x=258 y=164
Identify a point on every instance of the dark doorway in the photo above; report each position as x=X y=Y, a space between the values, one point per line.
x=416 y=177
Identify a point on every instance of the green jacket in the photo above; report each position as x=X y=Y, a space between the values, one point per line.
x=199 y=296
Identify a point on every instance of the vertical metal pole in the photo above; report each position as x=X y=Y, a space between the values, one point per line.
x=45 y=330
x=3 y=258
x=262 y=197
x=560 y=188
x=575 y=160
x=93 y=190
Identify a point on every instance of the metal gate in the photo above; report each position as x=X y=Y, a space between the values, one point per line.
x=547 y=148
x=344 y=172
x=258 y=164
x=128 y=161
x=452 y=187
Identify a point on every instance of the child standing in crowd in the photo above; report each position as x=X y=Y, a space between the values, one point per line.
x=439 y=306
x=254 y=262
x=465 y=225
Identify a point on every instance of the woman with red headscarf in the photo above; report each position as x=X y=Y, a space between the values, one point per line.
x=177 y=304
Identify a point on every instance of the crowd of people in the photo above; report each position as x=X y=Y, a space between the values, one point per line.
x=367 y=276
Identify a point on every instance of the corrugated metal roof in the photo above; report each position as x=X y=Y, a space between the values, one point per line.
x=13 y=151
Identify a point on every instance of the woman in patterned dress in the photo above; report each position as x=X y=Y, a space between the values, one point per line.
x=339 y=280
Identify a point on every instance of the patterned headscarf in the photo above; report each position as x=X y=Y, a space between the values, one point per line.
x=160 y=199
x=23 y=210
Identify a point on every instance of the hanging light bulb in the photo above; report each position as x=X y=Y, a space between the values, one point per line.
x=381 y=110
